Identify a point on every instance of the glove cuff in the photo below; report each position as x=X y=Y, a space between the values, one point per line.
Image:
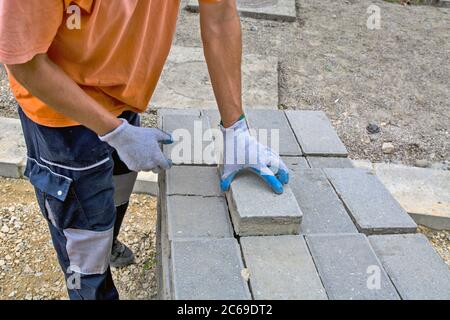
x=111 y=136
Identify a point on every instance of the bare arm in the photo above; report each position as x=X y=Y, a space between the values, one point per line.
x=222 y=43
x=48 y=82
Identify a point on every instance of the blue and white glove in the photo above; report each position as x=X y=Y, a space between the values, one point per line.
x=139 y=147
x=242 y=151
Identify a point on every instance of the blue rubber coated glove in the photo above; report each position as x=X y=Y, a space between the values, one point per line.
x=242 y=151
x=139 y=147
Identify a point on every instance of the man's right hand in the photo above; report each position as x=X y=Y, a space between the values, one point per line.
x=139 y=147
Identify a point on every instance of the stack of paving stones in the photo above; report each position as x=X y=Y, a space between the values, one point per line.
x=335 y=233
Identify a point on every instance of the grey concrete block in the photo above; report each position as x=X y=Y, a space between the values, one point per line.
x=330 y=162
x=256 y=210
x=323 y=212
x=193 y=180
x=295 y=163
x=349 y=268
x=208 y=269
x=423 y=193
x=163 y=267
x=273 y=129
x=414 y=267
x=146 y=183
x=281 y=268
x=185 y=81
x=12 y=148
x=283 y=10
x=193 y=140
x=370 y=204
x=198 y=217
x=315 y=133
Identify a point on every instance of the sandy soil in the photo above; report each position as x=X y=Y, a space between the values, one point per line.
x=28 y=264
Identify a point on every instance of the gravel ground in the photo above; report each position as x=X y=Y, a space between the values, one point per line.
x=28 y=264
x=396 y=77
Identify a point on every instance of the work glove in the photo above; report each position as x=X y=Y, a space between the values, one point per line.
x=139 y=147
x=242 y=151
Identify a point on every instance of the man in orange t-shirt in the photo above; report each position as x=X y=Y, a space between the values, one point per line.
x=81 y=71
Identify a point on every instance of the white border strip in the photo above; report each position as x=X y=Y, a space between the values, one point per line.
x=75 y=169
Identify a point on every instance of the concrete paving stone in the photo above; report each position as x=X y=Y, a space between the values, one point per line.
x=281 y=268
x=146 y=183
x=193 y=181
x=273 y=129
x=369 y=203
x=194 y=143
x=282 y=10
x=295 y=163
x=414 y=267
x=330 y=162
x=363 y=164
x=208 y=269
x=256 y=210
x=349 y=268
x=423 y=193
x=259 y=74
x=198 y=217
x=315 y=133
x=12 y=148
x=323 y=211
x=164 y=278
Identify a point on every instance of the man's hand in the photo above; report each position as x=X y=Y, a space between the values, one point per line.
x=139 y=148
x=242 y=151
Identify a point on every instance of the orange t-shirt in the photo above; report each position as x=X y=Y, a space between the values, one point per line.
x=116 y=55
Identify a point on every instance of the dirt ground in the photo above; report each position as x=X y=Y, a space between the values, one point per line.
x=28 y=265
x=396 y=77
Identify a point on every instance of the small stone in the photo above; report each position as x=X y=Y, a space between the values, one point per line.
x=253 y=28
x=388 y=148
x=373 y=128
x=422 y=163
x=245 y=274
x=2 y=263
x=4 y=229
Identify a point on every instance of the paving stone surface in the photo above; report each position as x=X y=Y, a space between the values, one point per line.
x=330 y=162
x=193 y=140
x=198 y=217
x=12 y=148
x=281 y=268
x=194 y=181
x=273 y=129
x=259 y=74
x=256 y=210
x=208 y=269
x=315 y=133
x=414 y=267
x=146 y=183
x=283 y=10
x=423 y=193
x=323 y=212
x=370 y=204
x=295 y=163
x=349 y=268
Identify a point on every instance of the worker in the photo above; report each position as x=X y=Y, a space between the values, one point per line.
x=82 y=71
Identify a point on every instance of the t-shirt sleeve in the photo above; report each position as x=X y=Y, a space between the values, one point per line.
x=27 y=28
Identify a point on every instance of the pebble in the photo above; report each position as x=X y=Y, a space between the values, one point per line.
x=373 y=128
x=253 y=28
x=4 y=229
x=422 y=163
x=388 y=148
